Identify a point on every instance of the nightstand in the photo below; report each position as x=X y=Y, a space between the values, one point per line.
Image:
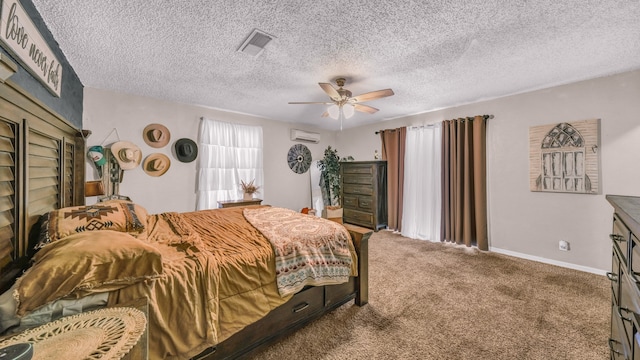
x=233 y=203
x=141 y=349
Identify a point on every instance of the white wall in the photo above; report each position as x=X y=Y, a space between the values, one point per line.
x=175 y=190
x=528 y=223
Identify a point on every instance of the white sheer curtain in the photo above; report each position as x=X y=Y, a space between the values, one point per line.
x=228 y=153
x=422 y=183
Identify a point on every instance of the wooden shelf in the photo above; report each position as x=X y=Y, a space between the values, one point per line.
x=233 y=203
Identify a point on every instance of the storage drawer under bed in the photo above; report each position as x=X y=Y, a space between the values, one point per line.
x=301 y=306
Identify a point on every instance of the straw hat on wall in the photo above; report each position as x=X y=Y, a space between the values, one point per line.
x=127 y=154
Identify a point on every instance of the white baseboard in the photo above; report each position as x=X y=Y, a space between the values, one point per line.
x=549 y=261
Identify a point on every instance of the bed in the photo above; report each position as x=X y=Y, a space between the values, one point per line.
x=231 y=272
x=42 y=170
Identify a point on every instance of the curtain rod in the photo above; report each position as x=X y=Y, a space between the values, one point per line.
x=486 y=117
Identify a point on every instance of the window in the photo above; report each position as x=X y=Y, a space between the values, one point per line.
x=228 y=153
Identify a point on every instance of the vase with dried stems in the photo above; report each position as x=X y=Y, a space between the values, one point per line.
x=249 y=189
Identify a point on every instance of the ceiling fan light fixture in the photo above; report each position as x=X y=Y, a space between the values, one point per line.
x=334 y=111
x=348 y=110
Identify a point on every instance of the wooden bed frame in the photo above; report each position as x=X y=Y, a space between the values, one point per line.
x=42 y=168
x=306 y=306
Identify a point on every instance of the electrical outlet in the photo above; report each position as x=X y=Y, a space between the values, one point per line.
x=564 y=245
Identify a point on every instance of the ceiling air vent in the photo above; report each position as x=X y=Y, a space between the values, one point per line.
x=255 y=43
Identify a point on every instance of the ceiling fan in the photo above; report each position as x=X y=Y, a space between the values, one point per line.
x=343 y=104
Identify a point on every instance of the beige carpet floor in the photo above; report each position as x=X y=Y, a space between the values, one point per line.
x=438 y=301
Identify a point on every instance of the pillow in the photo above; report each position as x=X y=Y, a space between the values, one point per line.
x=86 y=263
x=111 y=215
x=138 y=212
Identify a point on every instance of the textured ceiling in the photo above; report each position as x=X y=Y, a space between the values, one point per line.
x=433 y=54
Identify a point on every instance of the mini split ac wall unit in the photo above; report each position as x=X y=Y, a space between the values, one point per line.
x=306 y=136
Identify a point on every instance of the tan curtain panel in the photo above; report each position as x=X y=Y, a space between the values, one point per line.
x=393 y=149
x=464 y=179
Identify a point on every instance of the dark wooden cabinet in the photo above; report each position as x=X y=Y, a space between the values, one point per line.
x=364 y=193
x=624 y=341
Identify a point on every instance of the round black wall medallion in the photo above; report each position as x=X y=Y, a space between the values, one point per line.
x=299 y=158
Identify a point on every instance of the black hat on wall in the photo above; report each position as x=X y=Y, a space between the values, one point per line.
x=186 y=150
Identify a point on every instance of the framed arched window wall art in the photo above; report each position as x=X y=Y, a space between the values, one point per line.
x=564 y=157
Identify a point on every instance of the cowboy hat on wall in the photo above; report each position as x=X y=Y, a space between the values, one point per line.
x=156 y=164
x=127 y=154
x=186 y=150
x=156 y=135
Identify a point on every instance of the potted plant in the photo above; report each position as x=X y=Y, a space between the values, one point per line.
x=329 y=167
x=248 y=189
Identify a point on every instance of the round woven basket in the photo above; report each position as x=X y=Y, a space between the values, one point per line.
x=100 y=334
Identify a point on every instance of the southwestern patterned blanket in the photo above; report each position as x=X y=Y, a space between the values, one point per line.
x=309 y=250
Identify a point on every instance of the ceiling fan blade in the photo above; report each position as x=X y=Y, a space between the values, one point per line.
x=330 y=90
x=310 y=102
x=365 y=108
x=372 y=95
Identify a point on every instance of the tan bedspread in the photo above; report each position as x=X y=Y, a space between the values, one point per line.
x=220 y=277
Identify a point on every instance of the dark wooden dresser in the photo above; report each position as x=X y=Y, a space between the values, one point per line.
x=364 y=193
x=624 y=342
